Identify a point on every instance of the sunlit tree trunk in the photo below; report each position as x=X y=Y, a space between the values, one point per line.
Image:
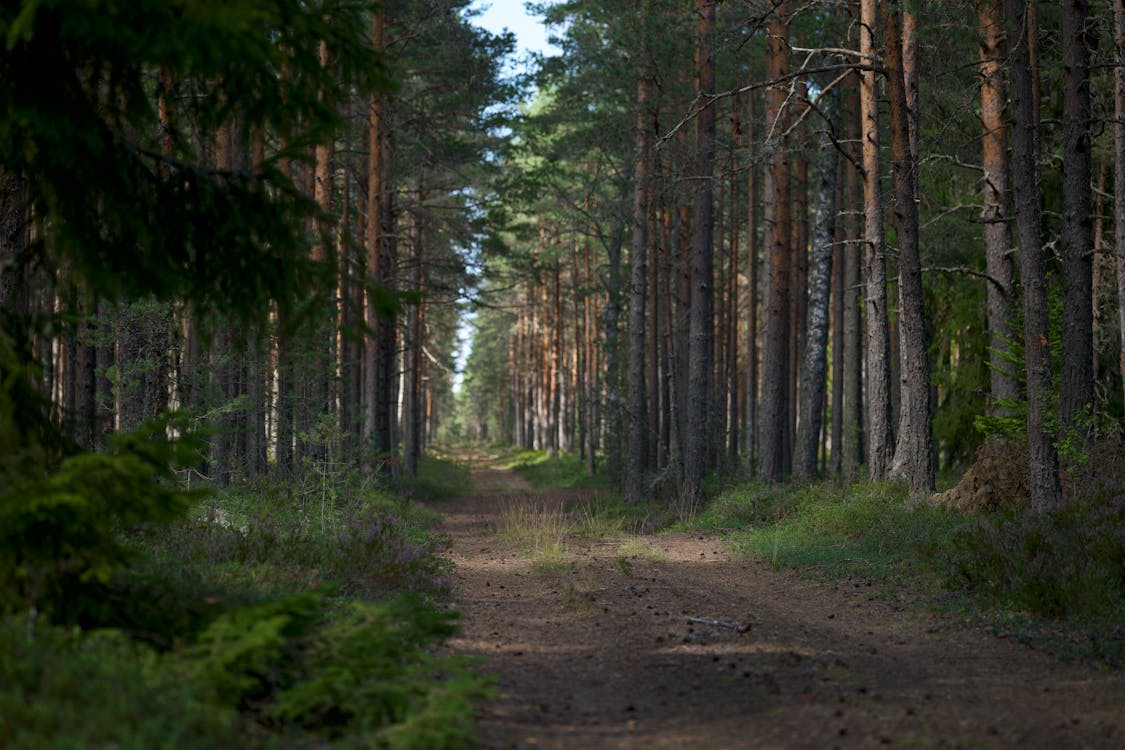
x=749 y=429
x=914 y=451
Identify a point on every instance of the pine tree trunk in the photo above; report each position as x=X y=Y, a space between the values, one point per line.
x=880 y=440
x=636 y=463
x=839 y=249
x=1077 y=383
x=997 y=240
x=775 y=354
x=749 y=429
x=814 y=365
x=1119 y=172
x=1043 y=463
x=914 y=452
x=702 y=333
x=853 y=433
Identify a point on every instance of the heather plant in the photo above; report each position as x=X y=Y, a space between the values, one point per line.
x=374 y=551
x=1064 y=562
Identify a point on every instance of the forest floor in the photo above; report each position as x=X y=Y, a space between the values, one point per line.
x=669 y=641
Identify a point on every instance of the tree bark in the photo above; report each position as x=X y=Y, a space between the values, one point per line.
x=1003 y=386
x=1077 y=383
x=1043 y=463
x=636 y=463
x=701 y=337
x=814 y=365
x=878 y=392
x=914 y=451
x=1119 y=171
x=775 y=353
x=752 y=197
x=853 y=434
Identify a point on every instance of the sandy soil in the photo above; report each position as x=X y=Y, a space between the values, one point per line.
x=684 y=646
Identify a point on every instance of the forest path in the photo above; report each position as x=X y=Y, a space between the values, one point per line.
x=601 y=652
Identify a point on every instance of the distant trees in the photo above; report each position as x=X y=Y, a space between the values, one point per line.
x=208 y=216
x=930 y=363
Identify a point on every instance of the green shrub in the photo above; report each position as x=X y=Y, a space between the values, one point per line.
x=300 y=668
x=59 y=534
x=66 y=689
x=360 y=673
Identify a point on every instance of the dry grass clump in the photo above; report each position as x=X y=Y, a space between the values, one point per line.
x=537 y=525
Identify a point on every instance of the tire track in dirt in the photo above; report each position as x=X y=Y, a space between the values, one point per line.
x=604 y=652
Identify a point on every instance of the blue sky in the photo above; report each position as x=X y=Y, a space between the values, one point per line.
x=511 y=14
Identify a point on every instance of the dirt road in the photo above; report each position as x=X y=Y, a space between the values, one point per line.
x=684 y=647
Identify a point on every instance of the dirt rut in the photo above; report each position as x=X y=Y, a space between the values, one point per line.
x=669 y=642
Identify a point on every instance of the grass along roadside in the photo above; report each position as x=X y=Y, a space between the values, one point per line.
x=1054 y=580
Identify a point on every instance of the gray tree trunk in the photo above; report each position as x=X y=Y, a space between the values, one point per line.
x=1043 y=460
x=999 y=264
x=702 y=334
x=814 y=365
x=914 y=452
x=635 y=465
x=879 y=436
x=1077 y=384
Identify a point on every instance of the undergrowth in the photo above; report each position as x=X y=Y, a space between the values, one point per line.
x=835 y=528
x=564 y=471
x=1054 y=578
x=294 y=614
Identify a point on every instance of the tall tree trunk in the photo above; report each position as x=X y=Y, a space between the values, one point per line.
x=1003 y=386
x=701 y=339
x=853 y=434
x=1077 y=384
x=635 y=465
x=814 y=366
x=798 y=281
x=324 y=252
x=836 y=438
x=412 y=350
x=878 y=393
x=775 y=351
x=1119 y=171
x=1043 y=463
x=914 y=452
x=379 y=243
x=752 y=198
